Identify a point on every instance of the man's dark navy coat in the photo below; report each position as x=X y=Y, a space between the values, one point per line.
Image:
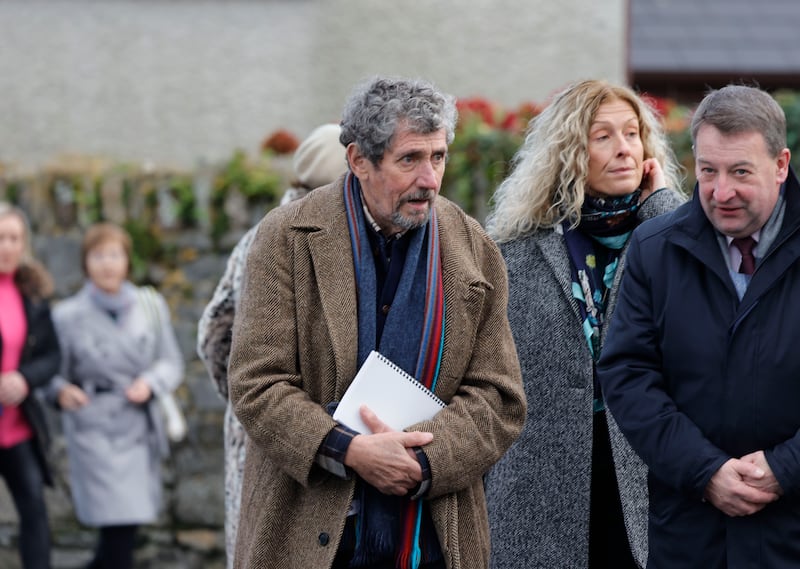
x=694 y=377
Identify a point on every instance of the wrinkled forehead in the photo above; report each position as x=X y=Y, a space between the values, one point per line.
x=406 y=137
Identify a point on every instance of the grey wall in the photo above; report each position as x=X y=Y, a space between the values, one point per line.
x=172 y=82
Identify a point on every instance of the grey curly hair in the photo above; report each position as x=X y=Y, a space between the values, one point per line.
x=548 y=181
x=378 y=106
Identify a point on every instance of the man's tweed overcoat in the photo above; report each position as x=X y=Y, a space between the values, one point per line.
x=295 y=350
x=538 y=493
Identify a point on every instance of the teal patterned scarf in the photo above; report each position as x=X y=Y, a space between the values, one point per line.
x=594 y=249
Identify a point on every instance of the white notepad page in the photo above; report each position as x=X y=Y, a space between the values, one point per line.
x=394 y=396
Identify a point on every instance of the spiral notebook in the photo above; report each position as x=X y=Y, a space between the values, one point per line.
x=394 y=396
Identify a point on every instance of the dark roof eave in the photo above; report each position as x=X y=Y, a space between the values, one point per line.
x=684 y=77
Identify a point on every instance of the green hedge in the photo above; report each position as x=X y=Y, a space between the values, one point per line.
x=152 y=203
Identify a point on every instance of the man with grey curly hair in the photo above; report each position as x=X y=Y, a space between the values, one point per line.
x=372 y=114
x=376 y=261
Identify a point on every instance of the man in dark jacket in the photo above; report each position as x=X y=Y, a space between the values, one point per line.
x=701 y=368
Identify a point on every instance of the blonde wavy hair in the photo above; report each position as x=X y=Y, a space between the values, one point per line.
x=548 y=181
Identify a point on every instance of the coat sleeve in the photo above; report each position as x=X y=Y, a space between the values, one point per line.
x=631 y=374
x=42 y=362
x=63 y=375
x=270 y=396
x=215 y=327
x=487 y=409
x=165 y=373
x=659 y=202
x=784 y=460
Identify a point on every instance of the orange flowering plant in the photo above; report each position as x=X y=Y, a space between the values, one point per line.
x=279 y=142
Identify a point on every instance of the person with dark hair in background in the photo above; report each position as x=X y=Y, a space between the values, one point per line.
x=595 y=164
x=374 y=261
x=119 y=354
x=701 y=364
x=29 y=358
x=319 y=160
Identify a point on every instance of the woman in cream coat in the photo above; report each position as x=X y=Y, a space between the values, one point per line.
x=119 y=352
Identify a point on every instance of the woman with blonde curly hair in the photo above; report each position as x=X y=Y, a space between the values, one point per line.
x=595 y=164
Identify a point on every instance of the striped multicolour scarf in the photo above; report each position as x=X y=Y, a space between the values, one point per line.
x=413 y=338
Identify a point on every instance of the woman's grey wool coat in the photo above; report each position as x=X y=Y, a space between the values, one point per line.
x=538 y=493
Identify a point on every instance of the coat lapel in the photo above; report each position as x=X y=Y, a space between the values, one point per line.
x=694 y=233
x=551 y=244
x=332 y=261
x=785 y=250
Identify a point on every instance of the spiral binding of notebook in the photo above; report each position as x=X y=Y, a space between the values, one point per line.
x=393 y=395
x=408 y=377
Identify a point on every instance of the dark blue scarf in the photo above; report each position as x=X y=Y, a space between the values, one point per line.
x=413 y=338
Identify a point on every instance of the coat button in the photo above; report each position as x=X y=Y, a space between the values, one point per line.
x=385 y=308
x=324 y=538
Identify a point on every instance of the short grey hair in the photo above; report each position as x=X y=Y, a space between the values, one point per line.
x=736 y=109
x=377 y=107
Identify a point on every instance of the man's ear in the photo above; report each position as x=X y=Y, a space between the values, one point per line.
x=783 y=164
x=358 y=162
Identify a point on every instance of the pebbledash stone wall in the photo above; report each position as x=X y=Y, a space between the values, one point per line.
x=171 y=81
x=188 y=265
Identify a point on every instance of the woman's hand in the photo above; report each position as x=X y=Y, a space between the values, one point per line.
x=13 y=388
x=71 y=397
x=139 y=391
x=652 y=178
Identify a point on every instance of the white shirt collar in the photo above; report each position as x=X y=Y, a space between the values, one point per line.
x=756 y=236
